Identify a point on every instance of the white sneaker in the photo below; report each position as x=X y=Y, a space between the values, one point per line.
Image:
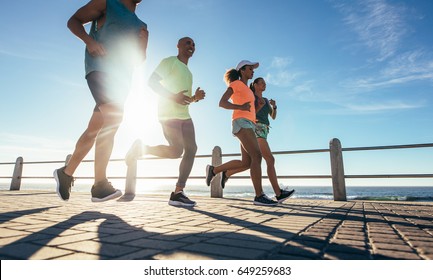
x=135 y=152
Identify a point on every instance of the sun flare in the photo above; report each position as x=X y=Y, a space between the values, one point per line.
x=140 y=120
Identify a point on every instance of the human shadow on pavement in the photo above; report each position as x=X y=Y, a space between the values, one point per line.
x=116 y=239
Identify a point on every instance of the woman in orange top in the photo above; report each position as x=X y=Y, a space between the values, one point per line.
x=243 y=125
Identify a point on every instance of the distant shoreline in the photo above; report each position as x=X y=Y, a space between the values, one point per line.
x=368 y=193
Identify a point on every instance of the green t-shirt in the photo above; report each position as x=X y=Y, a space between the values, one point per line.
x=176 y=77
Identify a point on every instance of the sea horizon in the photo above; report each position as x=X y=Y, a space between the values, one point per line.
x=375 y=193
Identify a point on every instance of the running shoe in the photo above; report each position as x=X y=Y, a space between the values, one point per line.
x=64 y=183
x=103 y=191
x=209 y=174
x=223 y=179
x=180 y=199
x=285 y=194
x=263 y=200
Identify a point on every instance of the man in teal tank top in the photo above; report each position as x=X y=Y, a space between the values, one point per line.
x=116 y=43
x=172 y=81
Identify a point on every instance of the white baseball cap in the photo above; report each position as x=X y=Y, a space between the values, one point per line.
x=246 y=62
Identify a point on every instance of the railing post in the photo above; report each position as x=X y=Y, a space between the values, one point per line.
x=131 y=180
x=68 y=158
x=337 y=170
x=16 y=177
x=215 y=189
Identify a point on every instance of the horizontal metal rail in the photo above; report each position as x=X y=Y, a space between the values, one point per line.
x=21 y=162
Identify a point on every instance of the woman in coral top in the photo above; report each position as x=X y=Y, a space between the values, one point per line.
x=243 y=125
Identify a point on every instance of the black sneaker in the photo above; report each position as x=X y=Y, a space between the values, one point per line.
x=64 y=183
x=223 y=179
x=263 y=200
x=209 y=174
x=103 y=191
x=180 y=199
x=285 y=194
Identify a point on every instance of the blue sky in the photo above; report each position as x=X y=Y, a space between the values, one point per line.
x=360 y=71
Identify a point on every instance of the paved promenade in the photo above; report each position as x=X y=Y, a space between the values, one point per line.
x=37 y=225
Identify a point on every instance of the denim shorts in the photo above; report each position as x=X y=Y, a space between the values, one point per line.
x=238 y=124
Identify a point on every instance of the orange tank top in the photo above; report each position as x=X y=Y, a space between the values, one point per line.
x=242 y=94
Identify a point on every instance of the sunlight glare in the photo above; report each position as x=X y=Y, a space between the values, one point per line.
x=140 y=119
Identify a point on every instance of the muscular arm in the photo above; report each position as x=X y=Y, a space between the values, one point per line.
x=155 y=85
x=93 y=10
x=226 y=104
x=273 y=112
x=144 y=38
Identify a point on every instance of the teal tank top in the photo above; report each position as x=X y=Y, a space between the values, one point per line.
x=262 y=116
x=119 y=36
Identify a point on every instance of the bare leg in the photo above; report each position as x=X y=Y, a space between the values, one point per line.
x=270 y=163
x=85 y=142
x=112 y=115
x=235 y=166
x=249 y=143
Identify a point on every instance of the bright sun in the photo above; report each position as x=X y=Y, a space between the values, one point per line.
x=140 y=120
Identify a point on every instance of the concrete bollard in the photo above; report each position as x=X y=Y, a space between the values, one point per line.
x=215 y=189
x=16 y=177
x=337 y=170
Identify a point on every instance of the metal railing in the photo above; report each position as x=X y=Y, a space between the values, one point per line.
x=335 y=151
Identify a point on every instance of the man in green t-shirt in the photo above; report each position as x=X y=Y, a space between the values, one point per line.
x=172 y=81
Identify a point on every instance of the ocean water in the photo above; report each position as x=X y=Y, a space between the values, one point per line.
x=301 y=192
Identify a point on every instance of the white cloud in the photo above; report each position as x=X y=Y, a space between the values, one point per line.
x=279 y=73
x=384 y=106
x=379 y=25
x=282 y=78
x=402 y=69
x=281 y=62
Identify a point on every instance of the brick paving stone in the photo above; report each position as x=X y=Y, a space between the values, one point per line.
x=390 y=240
x=174 y=235
x=294 y=249
x=359 y=236
x=396 y=247
x=155 y=244
x=138 y=255
x=148 y=228
x=425 y=250
x=29 y=251
x=420 y=243
x=349 y=249
x=78 y=256
x=183 y=255
x=10 y=233
x=289 y=257
x=193 y=229
x=349 y=242
x=316 y=245
x=124 y=237
x=390 y=254
x=264 y=236
x=55 y=241
x=243 y=243
x=103 y=249
x=346 y=256
x=231 y=252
